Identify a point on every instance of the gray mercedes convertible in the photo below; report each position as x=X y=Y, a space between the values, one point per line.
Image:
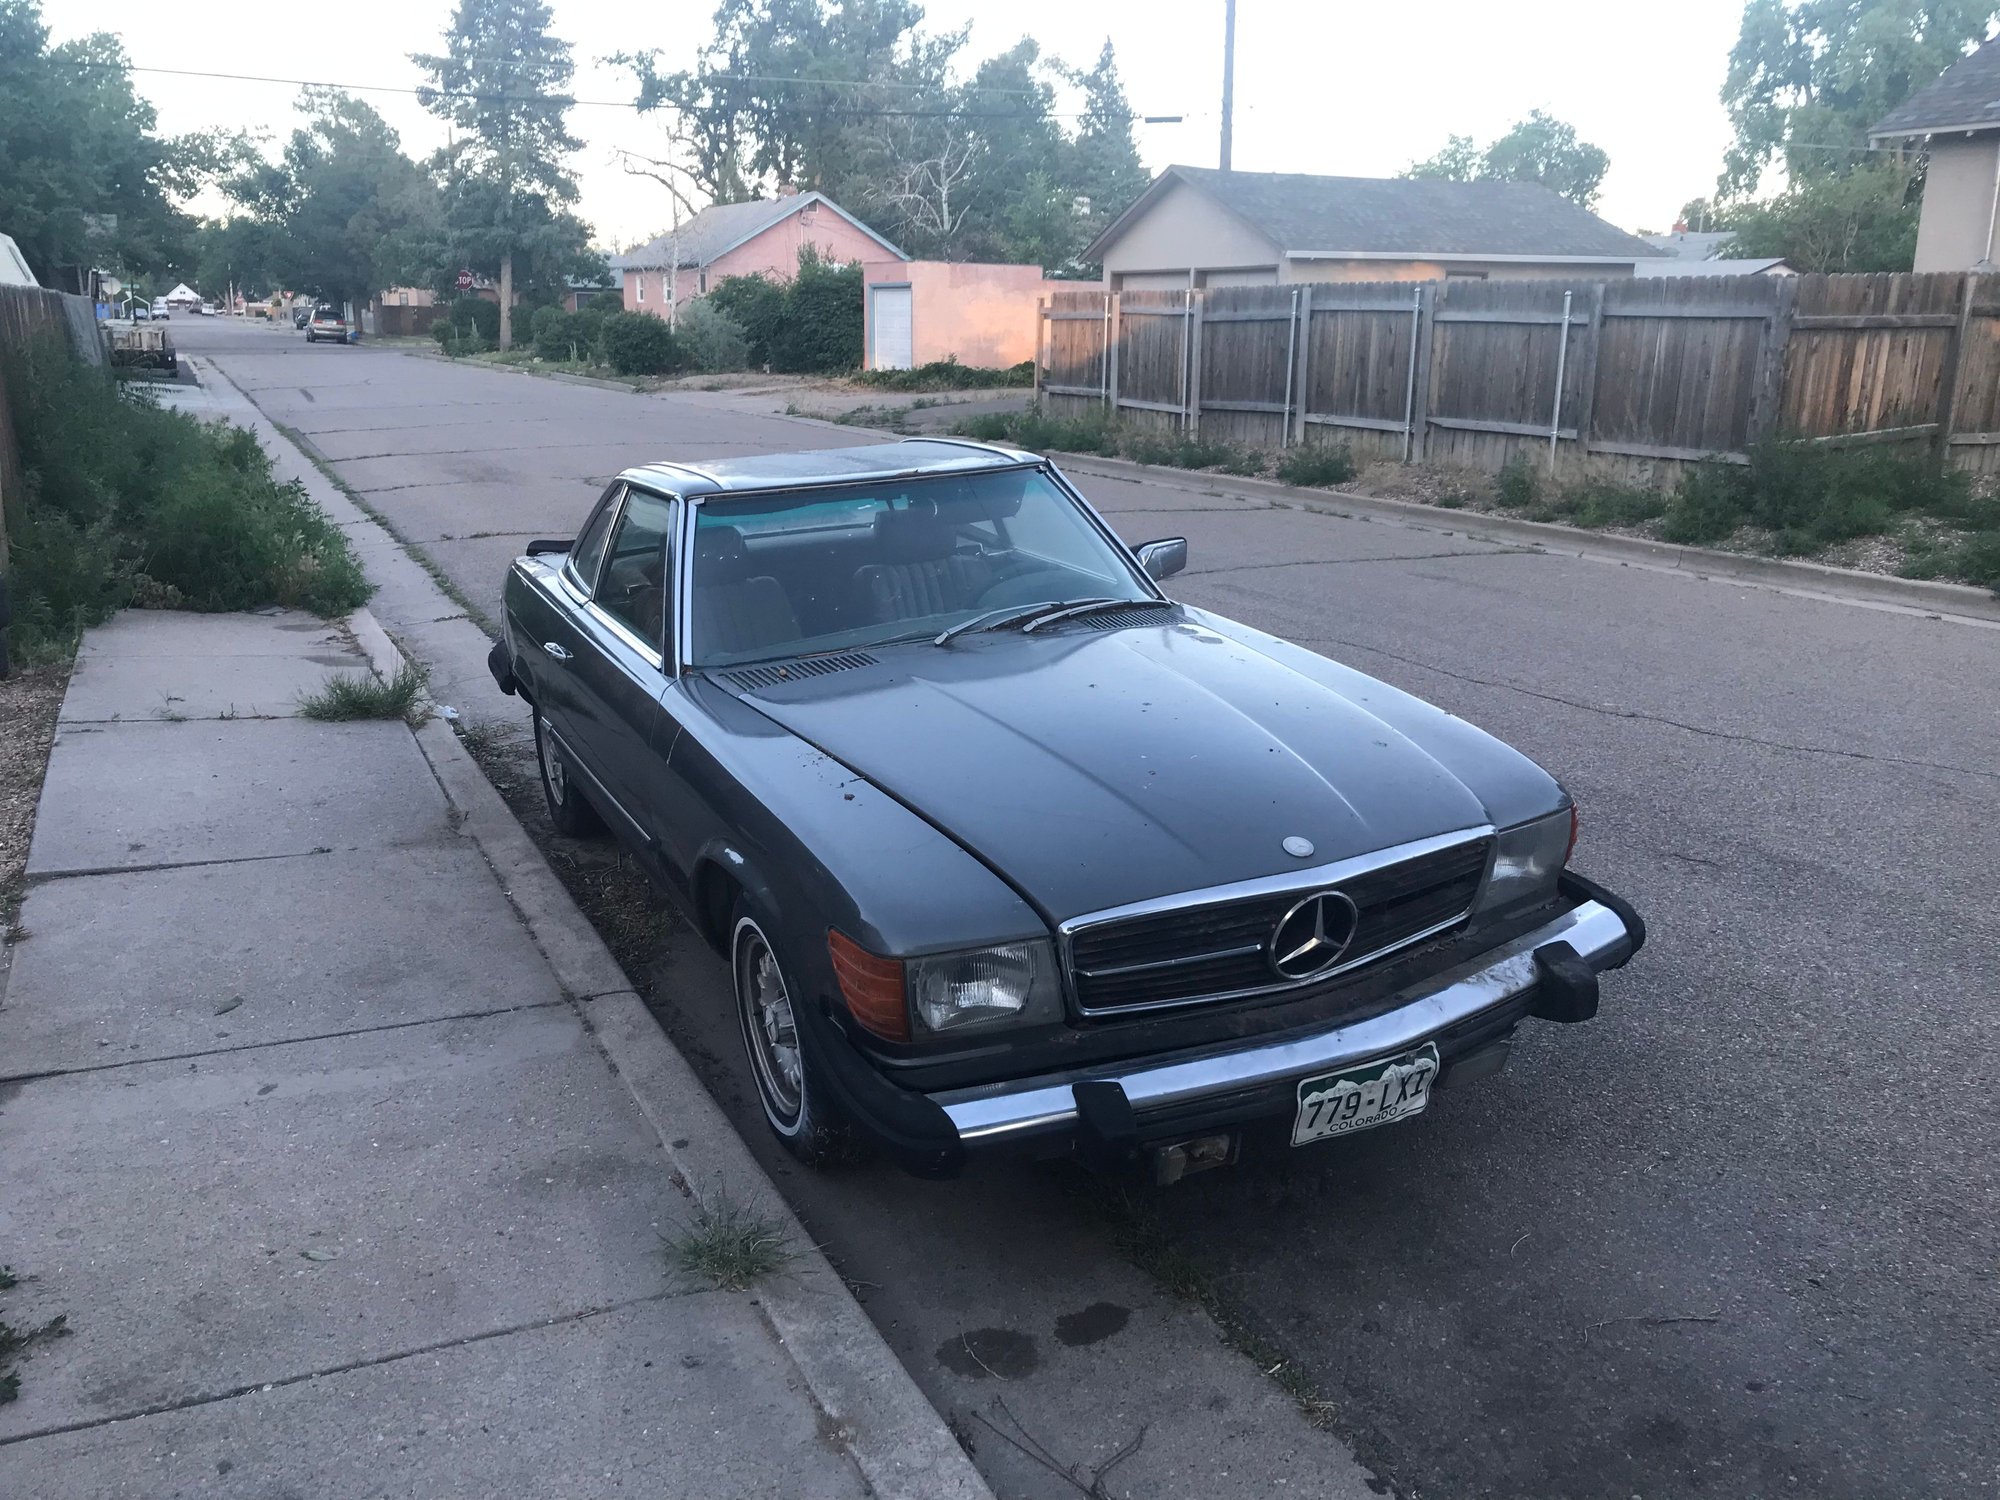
x=1005 y=848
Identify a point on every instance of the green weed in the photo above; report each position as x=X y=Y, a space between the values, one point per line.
x=354 y=695
x=1319 y=464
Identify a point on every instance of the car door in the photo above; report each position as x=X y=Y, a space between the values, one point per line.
x=543 y=622
x=621 y=674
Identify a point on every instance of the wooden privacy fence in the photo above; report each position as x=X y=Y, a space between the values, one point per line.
x=28 y=313
x=1638 y=372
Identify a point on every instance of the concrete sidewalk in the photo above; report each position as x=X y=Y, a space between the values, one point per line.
x=345 y=1150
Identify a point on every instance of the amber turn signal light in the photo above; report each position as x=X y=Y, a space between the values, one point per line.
x=871 y=985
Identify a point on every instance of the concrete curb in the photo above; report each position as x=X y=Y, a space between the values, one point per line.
x=867 y=1401
x=1962 y=602
x=624 y=386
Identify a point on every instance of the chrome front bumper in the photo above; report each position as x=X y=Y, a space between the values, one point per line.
x=992 y=1114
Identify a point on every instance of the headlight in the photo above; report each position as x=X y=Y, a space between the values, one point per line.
x=1014 y=984
x=985 y=986
x=1527 y=860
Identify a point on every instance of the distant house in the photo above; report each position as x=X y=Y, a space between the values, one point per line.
x=14 y=265
x=1199 y=227
x=741 y=239
x=1699 y=253
x=1955 y=121
x=183 y=296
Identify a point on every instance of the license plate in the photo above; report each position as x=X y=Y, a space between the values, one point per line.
x=1377 y=1093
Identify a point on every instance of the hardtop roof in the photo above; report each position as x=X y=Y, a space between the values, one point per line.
x=762 y=472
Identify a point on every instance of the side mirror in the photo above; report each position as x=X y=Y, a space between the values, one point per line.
x=1164 y=558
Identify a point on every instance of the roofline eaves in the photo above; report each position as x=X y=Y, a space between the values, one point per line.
x=1464 y=255
x=1906 y=134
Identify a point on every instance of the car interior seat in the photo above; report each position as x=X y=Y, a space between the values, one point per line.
x=921 y=568
x=735 y=609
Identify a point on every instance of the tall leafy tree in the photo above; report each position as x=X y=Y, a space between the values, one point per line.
x=342 y=204
x=503 y=80
x=85 y=177
x=1104 y=164
x=1808 y=77
x=1539 y=149
x=1864 y=219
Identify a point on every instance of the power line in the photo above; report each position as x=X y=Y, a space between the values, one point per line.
x=632 y=104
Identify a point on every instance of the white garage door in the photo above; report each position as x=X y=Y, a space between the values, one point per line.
x=889 y=327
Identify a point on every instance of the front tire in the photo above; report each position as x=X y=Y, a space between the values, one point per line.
x=570 y=813
x=795 y=1101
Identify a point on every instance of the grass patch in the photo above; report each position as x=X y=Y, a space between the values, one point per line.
x=729 y=1246
x=949 y=375
x=354 y=695
x=1971 y=557
x=1810 y=496
x=123 y=501
x=1317 y=464
x=1598 y=502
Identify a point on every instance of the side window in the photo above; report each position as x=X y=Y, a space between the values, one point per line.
x=638 y=571
x=588 y=551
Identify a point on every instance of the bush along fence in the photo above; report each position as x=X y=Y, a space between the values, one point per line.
x=1647 y=375
x=29 y=314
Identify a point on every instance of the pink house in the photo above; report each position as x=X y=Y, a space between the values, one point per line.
x=743 y=239
x=978 y=313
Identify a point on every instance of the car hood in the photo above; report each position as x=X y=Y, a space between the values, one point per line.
x=1093 y=768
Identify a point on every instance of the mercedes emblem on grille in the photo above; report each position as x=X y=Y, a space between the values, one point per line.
x=1310 y=938
x=1299 y=847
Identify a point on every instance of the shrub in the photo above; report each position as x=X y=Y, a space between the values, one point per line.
x=758 y=304
x=1316 y=464
x=949 y=375
x=636 y=343
x=1518 y=483
x=711 y=340
x=1707 y=505
x=475 y=316
x=1602 y=502
x=1039 y=432
x=124 y=500
x=559 y=335
x=821 y=331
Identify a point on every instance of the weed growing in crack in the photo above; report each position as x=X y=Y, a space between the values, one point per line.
x=351 y=695
x=729 y=1245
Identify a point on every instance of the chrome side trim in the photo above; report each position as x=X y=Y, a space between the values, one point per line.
x=997 y=1112
x=1300 y=882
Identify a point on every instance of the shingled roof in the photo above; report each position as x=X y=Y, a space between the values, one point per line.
x=1304 y=214
x=1964 y=96
x=721 y=227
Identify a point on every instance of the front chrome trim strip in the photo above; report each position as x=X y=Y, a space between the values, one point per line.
x=1299 y=882
x=1241 y=951
x=1026 y=1107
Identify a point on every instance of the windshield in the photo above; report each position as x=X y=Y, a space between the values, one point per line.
x=782 y=575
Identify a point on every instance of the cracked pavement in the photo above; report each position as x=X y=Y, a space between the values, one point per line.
x=1737 y=1236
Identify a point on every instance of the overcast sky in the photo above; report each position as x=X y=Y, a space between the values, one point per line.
x=1321 y=85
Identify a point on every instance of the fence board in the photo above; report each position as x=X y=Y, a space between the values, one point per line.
x=1662 y=372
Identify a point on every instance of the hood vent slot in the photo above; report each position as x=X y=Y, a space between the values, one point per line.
x=778 y=673
x=1118 y=619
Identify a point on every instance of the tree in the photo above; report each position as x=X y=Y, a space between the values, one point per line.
x=1105 y=166
x=85 y=179
x=343 y=206
x=856 y=99
x=1457 y=161
x=1807 y=78
x=1539 y=149
x=502 y=80
x=1863 y=220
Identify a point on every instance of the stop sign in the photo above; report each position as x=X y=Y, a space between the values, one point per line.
x=465 y=281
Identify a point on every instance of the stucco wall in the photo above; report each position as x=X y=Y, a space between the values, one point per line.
x=977 y=313
x=773 y=253
x=1185 y=228
x=1952 y=233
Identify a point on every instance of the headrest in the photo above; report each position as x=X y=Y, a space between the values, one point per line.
x=720 y=554
x=912 y=536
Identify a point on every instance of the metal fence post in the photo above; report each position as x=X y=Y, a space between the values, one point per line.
x=1116 y=341
x=1291 y=356
x=1041 y=327
x=1562 y=365
x=1410 y=392
x=1305 y=364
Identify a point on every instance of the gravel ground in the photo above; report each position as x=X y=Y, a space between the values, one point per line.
x=28 y=704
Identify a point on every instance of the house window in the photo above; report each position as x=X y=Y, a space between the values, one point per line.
x=402 y=299
x=641 y=280
x=701 y=282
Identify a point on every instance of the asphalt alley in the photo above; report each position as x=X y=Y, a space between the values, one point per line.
x=1737 y=1236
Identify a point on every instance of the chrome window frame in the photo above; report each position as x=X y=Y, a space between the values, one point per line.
x=658 y=660
x=615 y=503
x=1300 y=883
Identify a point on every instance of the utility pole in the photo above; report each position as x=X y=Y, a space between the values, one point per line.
x=1228 y=77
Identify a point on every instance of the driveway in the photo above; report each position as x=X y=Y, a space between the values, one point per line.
x=1738 y=1236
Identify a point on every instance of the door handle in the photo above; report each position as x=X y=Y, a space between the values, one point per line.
x=560 y=653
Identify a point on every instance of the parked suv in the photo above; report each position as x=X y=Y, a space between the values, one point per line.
x=327 y=322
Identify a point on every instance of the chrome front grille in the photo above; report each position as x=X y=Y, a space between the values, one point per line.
x=1215 y=947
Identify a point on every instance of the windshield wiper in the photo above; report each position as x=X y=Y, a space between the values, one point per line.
x=1086 y=606
x=994 y=617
